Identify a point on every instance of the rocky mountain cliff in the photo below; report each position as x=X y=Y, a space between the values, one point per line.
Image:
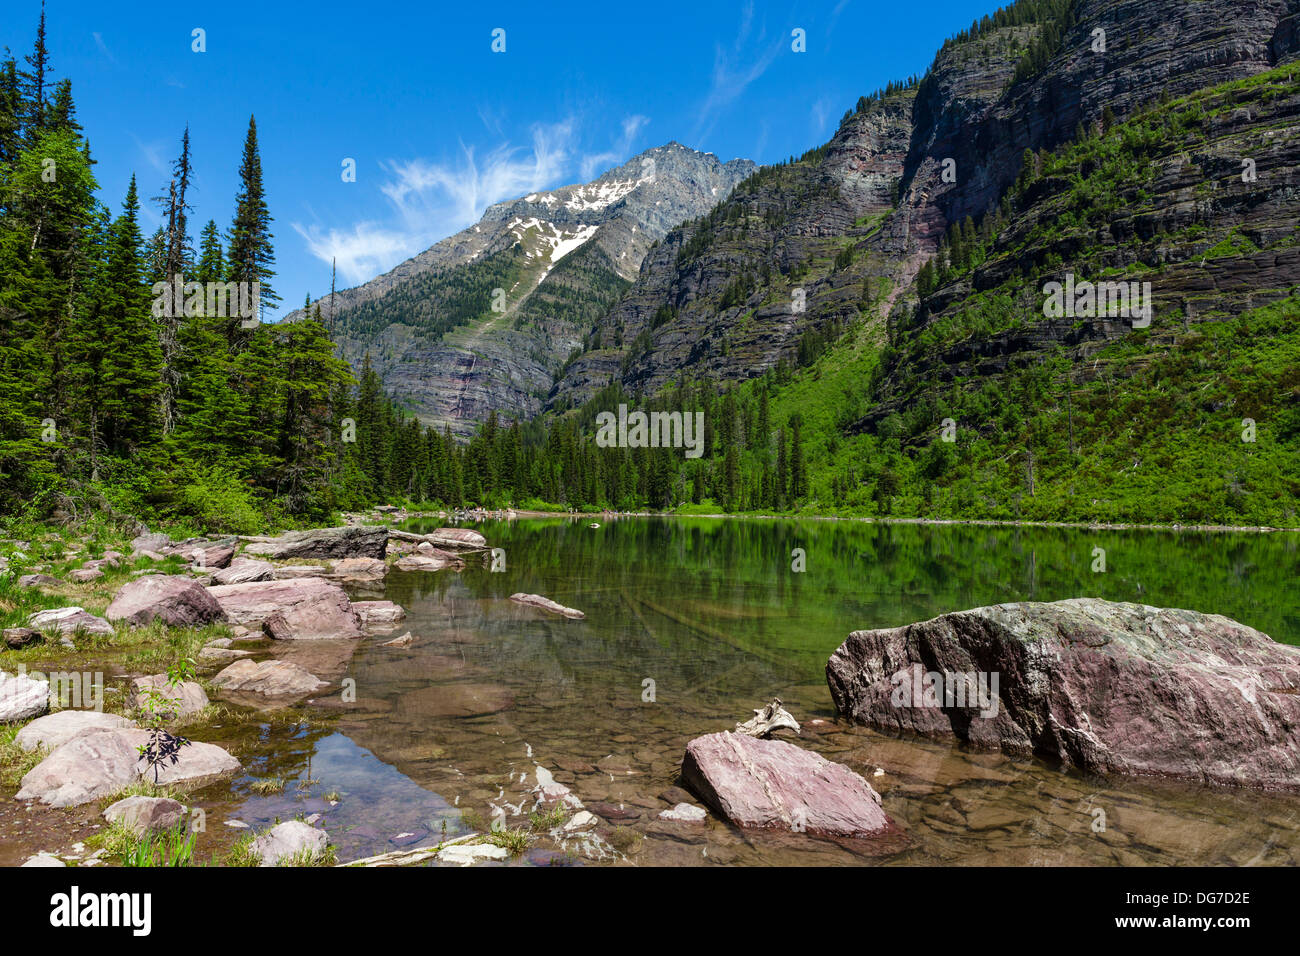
x=803 y=252
x=483 y=320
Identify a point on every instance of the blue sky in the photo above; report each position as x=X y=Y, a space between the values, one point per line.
x=438 y=124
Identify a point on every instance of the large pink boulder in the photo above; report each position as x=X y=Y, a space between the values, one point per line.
x=299 y=609
x=776 y=785
x=1105 y=687
x=175 y=601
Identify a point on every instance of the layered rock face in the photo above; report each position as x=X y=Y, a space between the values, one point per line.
x=561 y=258
x=1108 y=688
x=849 y=225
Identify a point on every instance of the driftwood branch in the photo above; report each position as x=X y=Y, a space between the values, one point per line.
x=768 y=719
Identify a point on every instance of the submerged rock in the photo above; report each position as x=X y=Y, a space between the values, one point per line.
x=684 y=813
x=467 y=854
x=355 y=541
x=774 y=784
x=434 y=561
x=546 y=604
x=457 y=539
x=1106 y=687
x=175 y=601
x=299 y=609
x=379 y=615
x=358 y=571
x=268 y=679
x=22 y=697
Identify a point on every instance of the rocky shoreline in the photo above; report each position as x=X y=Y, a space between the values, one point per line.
x=272 y=621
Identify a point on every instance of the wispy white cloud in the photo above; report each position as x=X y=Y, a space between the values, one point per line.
x=153 y=155
x=430 y=200
x=821 y=111
x=735 y=68
x=362 y=251
x=595 y=163
x=103 y=47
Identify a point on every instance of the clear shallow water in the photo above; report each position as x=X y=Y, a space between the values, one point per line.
x=711 y=612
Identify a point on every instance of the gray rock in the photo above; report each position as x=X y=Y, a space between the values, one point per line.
x=288 y=840
x=69 y=620
x=211 y=653
x=428 y=562
x=151 y=542
x=38 y=581
x=142 y=814
x=182 y=699
x=403 y=641
x=546 y=604
x=19 y=637
x=358 y=571
x=288 y=572
x=199 y=764
x=358 y=541
x=22 y=697
x=94 y=764
x=85 y=575
x=54 y=730
x=467 y=854
x=684 y=813
x=244 y=570
x=379 y=615
x=43 y=859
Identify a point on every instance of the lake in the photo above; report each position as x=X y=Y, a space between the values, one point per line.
x=690 y=625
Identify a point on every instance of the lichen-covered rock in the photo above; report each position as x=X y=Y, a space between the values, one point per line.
x=355 y=541
x=1109 y=688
